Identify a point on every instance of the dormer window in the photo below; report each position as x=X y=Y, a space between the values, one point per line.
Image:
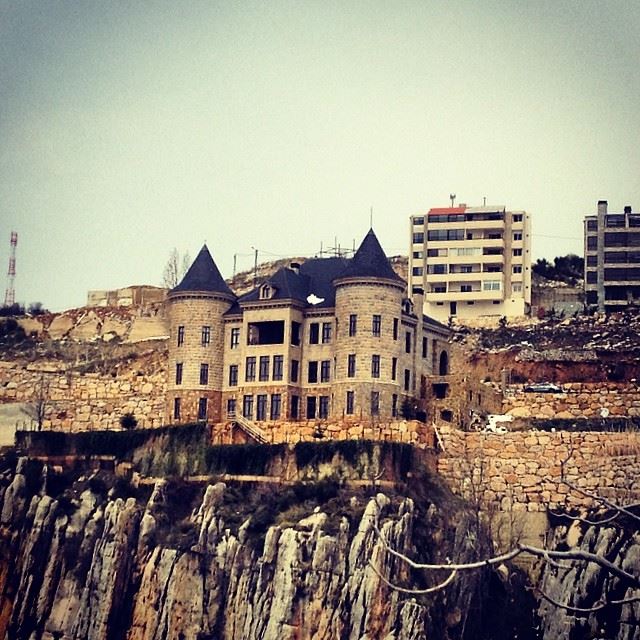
x=408 y=307
x=266 y=292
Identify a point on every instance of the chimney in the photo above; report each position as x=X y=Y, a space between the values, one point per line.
x=602 y=208
x=627 y=209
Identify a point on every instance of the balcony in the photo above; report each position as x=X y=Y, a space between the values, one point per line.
x=450 y=296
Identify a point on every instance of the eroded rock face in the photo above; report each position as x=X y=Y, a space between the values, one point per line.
x=97 y=568
x=587 y=586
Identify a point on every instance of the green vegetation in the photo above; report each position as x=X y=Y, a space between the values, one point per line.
x=569 y=268
x=241 y=459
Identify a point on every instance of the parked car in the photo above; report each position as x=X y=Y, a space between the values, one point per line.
x=543 y=387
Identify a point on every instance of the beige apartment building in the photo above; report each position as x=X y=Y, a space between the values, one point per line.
x=329 y=339
x=471 y=261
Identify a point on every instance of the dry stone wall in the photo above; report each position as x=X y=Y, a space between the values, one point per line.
x=522 y=471
x=576 y=400
x=82 y=401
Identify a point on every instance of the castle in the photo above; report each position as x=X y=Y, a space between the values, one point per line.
x=328 y=339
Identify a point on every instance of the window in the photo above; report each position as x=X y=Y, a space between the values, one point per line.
x=351 y=365
x=407 y=379
x=375 y=403
x=592 y=225
x=233 y=375
x=466 y=288
x=235 y=337
x=517 y=252
x=394 y=368
x=325 y=371
x=250 y=369
x=517 y=236
x=407 y=342
x=231 y=407
x=295 y=365
x=517 y=217
x=424 y=347
x=376 y=323
x=437 y=268
x=440 y=253
x=295 y=333
x=592 y=261
x=276 y=403
x=418 y=221
x=395 y=328
x=418 y=238
x=313 y=371
x=353 y=324
x=278 y=365
x=247 y=406
x=491 y=285
x=202 y=409
x=206 y=336
x=439 y=288
x=204 y=373
x=176 y=408
x=266 y=332
x=323 y=409
x=446 y=234
x=266 y=292
x=326 y=332
x=294 y=409
x=517 y=268
x=592 y=277
x=179 y=373
x=375 y=366
x=466 y=268
x=394 y=405
x=416 y=271
x=311 y=407
x=314 y=333
x=261 y=407
x=350 y=403
x=418 y=255
x=180 y=335
x=592 y=243
x=516 y=287
x=263 y=369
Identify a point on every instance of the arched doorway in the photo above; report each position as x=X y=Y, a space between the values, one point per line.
x=444 y=363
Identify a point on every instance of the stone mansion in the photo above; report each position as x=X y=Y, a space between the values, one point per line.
x=329 y=339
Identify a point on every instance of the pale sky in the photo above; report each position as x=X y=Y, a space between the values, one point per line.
x=130 y=128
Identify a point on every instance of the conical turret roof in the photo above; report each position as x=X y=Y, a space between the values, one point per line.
x=370 y=261
x=203 y=275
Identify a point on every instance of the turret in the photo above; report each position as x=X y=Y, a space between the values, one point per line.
x=196 y=342
x=370 y=337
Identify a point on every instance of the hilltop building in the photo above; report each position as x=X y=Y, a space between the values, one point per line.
x=612 y=259
x=331 y=338
x=471 y=261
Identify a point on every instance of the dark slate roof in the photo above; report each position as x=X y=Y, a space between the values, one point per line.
x=370 y=261
x=203 y=275
x=314 y=276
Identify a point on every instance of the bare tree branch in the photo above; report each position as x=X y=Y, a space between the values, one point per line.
x=600 y=604
x=438 y=587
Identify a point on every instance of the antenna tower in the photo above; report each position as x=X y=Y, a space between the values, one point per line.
x=10 y=293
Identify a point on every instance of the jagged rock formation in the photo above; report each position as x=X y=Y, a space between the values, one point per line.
x=586 y=586
x=93 y=565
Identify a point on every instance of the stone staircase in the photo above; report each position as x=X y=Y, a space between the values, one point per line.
x=251 y=429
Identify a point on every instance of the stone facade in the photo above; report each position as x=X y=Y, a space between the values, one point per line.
x=331 y=339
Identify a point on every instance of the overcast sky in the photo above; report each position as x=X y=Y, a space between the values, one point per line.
x=130 y=128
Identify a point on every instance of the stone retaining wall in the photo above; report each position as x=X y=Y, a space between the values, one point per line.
x=521 y=471
x=78 y=402
x=577 y=400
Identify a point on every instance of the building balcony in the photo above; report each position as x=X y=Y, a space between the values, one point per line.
x=451 y=296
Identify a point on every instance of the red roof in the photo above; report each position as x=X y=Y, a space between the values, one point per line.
x=440 y=210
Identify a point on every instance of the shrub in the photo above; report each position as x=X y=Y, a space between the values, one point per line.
x=128 y=421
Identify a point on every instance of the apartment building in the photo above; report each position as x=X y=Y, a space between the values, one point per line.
x=612 y=259
x=471 y=261
x=331 y=338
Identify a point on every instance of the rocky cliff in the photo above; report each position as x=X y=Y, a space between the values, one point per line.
x=95 y=558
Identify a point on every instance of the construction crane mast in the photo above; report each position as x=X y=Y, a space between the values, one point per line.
x=10 y=293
